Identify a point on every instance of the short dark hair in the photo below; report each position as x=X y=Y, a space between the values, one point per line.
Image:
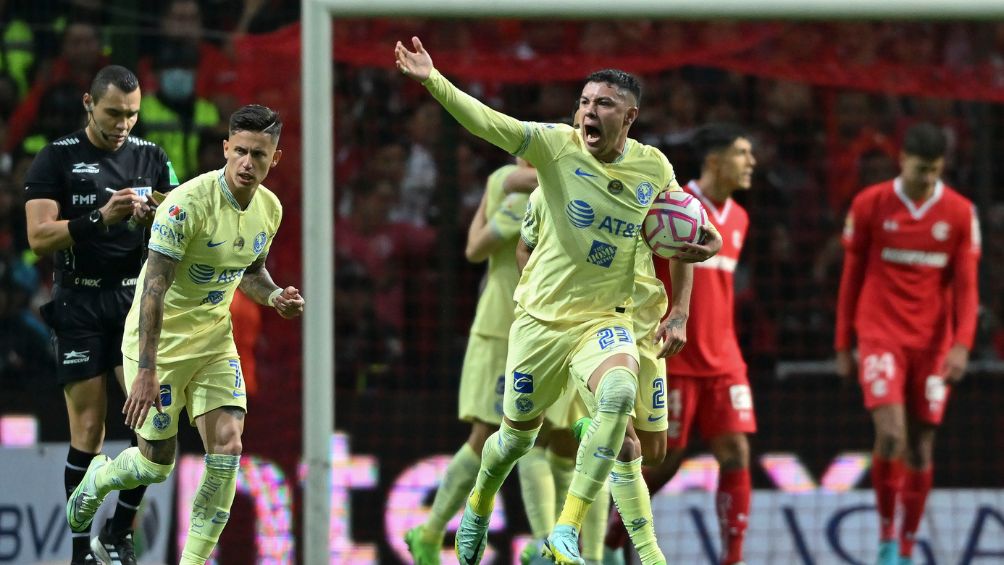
x=256 y=118
x=925 y=140
x=117 y=75
x=714 y=137
x=620 y=79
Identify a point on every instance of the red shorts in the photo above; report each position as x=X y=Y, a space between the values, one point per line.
x=896 y=375
x=721 y=404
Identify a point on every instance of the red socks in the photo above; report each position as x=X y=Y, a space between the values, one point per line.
x=916 y=487
x=732 y=502
x=887 y=480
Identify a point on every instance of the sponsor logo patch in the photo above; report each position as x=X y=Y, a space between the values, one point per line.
x=522 y=382
x=165 y=395
x=201 y=274
x=86 y=168
x=524 y=404
x=214 y=297
x=601 y=254
x=177 y=214
x=76 y=357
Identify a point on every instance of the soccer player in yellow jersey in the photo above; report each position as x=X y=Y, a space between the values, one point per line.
x=649 y=424
x=210 y=236
x=492 y=235
x=597 y=185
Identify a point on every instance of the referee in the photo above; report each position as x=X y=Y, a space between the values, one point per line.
x=87 y=202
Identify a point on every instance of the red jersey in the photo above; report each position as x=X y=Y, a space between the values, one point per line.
x=909 y=269
x=712 y=347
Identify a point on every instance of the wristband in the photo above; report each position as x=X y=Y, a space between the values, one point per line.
x=271 y=297
x=83 y=229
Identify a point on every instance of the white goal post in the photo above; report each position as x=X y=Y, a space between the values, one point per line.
x=318 y=167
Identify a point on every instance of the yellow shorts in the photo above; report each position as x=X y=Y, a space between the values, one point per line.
x=197 y=385
x=482 y=379
x=559 y=413
x=650 y=406
x=544 y=357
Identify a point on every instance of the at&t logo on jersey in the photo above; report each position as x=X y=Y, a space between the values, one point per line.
x=201 y=274
x=601 y=254
x=580 y=213
x=582 y=216
x=230 y=275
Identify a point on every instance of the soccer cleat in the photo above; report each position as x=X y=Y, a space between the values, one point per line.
x=114 y=549
x=85 y=500
x=422 y=553
x=531 y=554
x=580 y=426
x=85 y=560
x=562 y=546
x=472 y=537
x=888 y=553
x=613 y=555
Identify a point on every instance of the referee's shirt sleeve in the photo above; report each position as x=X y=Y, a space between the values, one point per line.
x=174 y=225
x=43 y=179
x=167 y=179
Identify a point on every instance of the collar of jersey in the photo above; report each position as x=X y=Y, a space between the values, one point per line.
x=226 y=191
x=627 y=147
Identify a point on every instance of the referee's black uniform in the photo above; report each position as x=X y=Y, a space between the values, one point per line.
x=95 y=279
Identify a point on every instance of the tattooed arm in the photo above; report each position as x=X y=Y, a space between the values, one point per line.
x=674 y=327
x=145 y=390
x=257 y=284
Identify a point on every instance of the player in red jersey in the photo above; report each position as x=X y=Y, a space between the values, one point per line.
x=707 y=381
x=909 y=292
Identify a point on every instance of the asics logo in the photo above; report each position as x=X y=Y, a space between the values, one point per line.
x=584 y=174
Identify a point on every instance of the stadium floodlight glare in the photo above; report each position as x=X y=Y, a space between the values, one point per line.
x=318 y=153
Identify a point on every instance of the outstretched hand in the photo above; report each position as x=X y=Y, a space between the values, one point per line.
x=415 y=64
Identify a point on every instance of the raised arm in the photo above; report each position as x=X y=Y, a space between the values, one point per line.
x=145 y=390
x=258 y=286
x=495 y=127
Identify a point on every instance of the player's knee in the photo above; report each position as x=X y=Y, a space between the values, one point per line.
x=731 y=451
x=890 y=443
x=616 y=393
x=88 y=434
x=630 y=449
x=512 y=443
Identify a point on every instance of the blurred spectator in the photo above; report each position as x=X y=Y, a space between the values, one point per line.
x=173 y=116
x=417 y=205
x=181 y=24
x=78 y=62
x=366 y=350
x=59 y=111
x=389 y=251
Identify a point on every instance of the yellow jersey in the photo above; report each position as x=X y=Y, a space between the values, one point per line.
x=201 y=225
x=584 y=262
x=504 y=211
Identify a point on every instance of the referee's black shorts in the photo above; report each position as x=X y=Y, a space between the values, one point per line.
x=87 y=329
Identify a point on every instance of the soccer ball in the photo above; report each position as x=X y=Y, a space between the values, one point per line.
x=675 y=218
